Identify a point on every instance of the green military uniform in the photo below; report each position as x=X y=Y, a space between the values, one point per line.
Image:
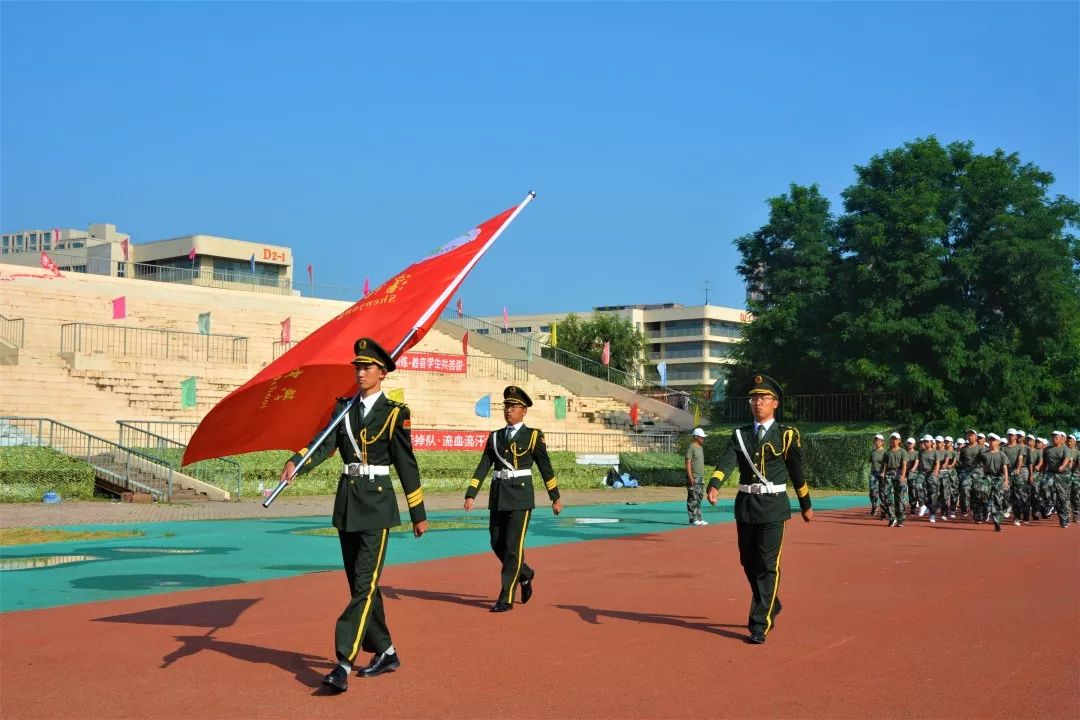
x=1055 y=473
x=1034 y=455
x=877 y=458
x=911 y=470
x=1019 y=485
x=990 y=485
x=925 y=485
x=895 y=497
x=370 y=440
x=950 y=483
x=969 y=464
x=1013 y=499
x=762 y=507
x=512 y=456
x=1074 y=478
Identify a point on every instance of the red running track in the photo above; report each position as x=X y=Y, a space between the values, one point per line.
x=952 y=621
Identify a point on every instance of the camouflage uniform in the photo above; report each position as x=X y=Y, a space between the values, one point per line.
x=1074 y=482
x=950 y=484
x=911 y=469
x=925 y=484
x=876 y=480
x=1012 y=453
x=1056 y=456
x=1046 y=485
x=991 y=485
x=894 y=499
x=969 y=465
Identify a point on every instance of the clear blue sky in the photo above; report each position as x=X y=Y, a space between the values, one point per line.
x=364 y=135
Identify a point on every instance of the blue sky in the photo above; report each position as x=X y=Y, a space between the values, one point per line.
x=364 y=135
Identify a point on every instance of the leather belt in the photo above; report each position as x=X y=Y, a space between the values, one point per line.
x=762 y=488
x=362 y=470
x=507 y=474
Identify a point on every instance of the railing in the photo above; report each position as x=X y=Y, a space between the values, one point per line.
x=221 y=472
x=573 y=361
x=12 y=330
x=180 y=432
x=846 y=407
x=280 y=348
x=124 y=341
x=123 y=466
x=606 y=443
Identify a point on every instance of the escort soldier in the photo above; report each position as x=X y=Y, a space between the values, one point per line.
x=512 y=452
x=768 y=456
x=373 y=435
x=877 y=455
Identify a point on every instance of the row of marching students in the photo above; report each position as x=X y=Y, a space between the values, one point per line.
x=1029 y=477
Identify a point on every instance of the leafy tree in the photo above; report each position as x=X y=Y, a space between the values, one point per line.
x=951 y=276
x=586 y=337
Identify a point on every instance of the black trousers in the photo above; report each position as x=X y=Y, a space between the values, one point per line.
x=362 y=625
x=759 y=553
x=507 y=529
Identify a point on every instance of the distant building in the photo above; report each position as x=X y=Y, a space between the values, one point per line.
x=102 y=250
x=694 y=342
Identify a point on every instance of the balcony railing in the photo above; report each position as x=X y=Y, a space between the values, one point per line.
x=124 y=341
x=12 y=331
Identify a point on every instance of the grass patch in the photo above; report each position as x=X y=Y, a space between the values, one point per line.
x=34 y=536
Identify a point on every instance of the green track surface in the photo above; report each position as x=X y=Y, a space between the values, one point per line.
x=185 y=555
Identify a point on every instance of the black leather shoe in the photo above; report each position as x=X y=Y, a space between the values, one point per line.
x=501 y=607
x=756 y=638
x=526 y=590
x=337 y=679
x=380 y=664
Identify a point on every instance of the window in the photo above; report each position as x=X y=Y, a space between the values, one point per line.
x=683 y=350
x=482 y=331
x=677 y=328
x=525 y=329
x=720 y=350
x=716 y=373
x=724 y=329
x=691 y=373
x=545 y=328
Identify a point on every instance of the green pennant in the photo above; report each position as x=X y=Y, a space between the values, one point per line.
x=560 y=407
x=187 y=393
x=204 y=323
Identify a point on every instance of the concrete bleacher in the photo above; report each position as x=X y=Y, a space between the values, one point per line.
x=92 y=390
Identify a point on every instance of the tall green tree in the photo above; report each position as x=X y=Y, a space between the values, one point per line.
x=586 y=337
x=951 y=276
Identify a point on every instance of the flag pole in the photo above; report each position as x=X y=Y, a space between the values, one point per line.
x=443 y=298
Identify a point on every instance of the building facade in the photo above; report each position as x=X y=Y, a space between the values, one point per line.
x=693 y=342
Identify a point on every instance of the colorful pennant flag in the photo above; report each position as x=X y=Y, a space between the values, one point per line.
x=506 y=319
x=697 y=415
x=191 y=255
x=605 y=354
x=554 y=339
x=465 y=344
x=187 y=393
x=252 y=263
x=48 y=264
x=662 y=369
x=634 y=414
x=529 y=349
x=560 y=407
x=367 y=286
x=124 y=247
x=483 y=406
x=119 y=308
x=204 y=323
x=310 y=273
x=286 y=330
x=460 y=308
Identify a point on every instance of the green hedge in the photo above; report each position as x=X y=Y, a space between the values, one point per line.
x=839 y=461
x=666 y=469
x=440 y=470
x=27 y=473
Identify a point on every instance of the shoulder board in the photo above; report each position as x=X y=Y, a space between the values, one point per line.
x=395 y=403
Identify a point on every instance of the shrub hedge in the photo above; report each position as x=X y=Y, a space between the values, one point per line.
x=27 y=473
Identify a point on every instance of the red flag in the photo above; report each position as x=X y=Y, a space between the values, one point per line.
x=286 y=330
x=465 y=343
x=460 y=308
x=506 y=319
x=119 y=308
x=605 y=354
x=367 y=287
x=309 y=271
x=634 y=414
x=191 y=255
x=291 y=399
x=48 y=264
x=124 y=247
x=55 y=237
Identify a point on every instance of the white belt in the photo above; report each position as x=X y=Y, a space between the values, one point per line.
x=362 y=470
x=762 y=488
x=507 y=474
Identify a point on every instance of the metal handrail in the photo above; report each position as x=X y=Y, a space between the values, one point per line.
x=110 y=458
x=12 y=330
x=676 y=398
x=834 y=407
x=126 y=341
x=204 y=470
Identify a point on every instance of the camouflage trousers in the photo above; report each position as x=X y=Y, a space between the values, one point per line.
x=1020 y=494
x=917 y=489
x=875 y=488
x=895 y=497
x=694 y=494
x=1062 y=496
x=1045 y=493
x=963 y=495
x=990 y=492
x=950 y=487
x=1074 y=495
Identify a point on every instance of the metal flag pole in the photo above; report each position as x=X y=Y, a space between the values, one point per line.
x=442 y=299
